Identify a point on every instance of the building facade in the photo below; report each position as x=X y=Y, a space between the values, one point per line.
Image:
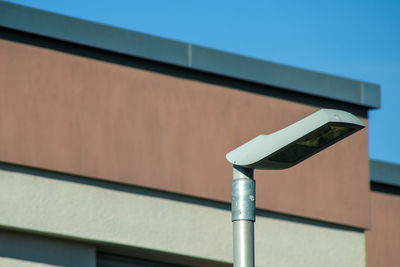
x=112 y=151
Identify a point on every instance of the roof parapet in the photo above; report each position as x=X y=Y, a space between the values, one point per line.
x=183 y=54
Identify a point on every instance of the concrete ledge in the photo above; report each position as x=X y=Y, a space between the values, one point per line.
x=96 y=211
x=187 y=55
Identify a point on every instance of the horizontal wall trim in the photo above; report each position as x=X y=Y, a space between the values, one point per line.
x=187 y=55
x=62 y=205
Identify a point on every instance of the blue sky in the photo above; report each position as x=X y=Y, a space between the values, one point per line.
x=354 y=39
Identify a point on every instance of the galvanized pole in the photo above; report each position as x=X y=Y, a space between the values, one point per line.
x=243 y=216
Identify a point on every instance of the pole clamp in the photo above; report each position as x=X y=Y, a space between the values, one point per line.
x=243 y=199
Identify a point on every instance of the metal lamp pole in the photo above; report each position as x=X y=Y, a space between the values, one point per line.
x=243 y=216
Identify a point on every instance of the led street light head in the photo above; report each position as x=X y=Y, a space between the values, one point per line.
x=295 y=143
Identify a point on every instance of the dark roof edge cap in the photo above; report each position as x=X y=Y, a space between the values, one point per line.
x=384 y=172
x=182 y=54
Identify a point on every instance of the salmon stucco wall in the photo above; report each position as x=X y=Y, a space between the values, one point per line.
x=83 y=116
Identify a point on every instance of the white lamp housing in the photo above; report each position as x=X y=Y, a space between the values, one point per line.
x=295 y=143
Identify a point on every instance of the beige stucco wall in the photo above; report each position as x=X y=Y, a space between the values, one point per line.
x=91 y=211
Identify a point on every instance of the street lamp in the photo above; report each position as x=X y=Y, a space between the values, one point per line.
x=279 y=150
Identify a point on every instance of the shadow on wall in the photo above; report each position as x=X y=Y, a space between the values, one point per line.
x=17 y=249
